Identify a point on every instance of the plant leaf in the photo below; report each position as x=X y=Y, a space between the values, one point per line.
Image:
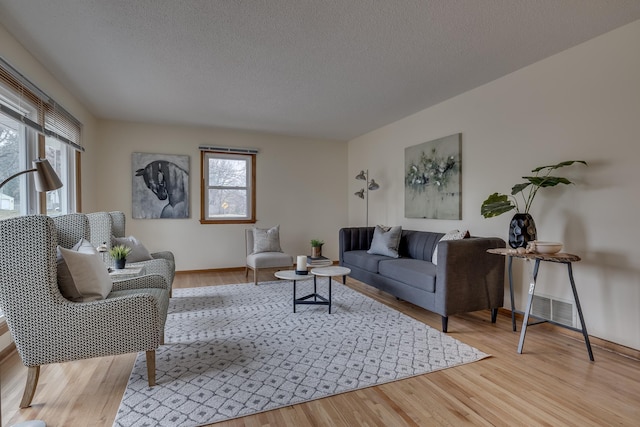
x=547 y=181
x=519 y=187
x=559 y=165
x=496 y=204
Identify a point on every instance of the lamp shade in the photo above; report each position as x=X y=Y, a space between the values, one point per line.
x=362 y=176
x=46 y=177
x=373 y=185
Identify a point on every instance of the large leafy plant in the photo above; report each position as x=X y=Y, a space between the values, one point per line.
x=497 y=204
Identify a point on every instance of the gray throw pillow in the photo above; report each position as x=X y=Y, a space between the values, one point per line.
x=266 y=240
x=138 y=251
x=82 y=276
x=386 y=241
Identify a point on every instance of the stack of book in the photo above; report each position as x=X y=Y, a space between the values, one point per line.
x=317 y=261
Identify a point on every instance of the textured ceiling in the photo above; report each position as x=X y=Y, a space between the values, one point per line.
x=318 y=68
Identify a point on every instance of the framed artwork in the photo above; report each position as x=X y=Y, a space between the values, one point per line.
x=160 y=186
x=432 y=180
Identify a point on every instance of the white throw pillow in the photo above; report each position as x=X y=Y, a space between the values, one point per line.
x=451 y=235
x=386 y=241
x=138 y=251
x=266 y=240
x=86 y=277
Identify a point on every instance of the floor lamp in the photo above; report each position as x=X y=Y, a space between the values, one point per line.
x=46 y=180
x=364 y=192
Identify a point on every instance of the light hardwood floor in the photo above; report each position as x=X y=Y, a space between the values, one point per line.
x=553 y=383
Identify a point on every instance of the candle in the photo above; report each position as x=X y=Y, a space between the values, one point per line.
x=302 y=263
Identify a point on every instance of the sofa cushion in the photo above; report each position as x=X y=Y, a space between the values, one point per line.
x=419 y=244
x=269 y=260
x=386 y=241
x=415 y=273
x=363 y=260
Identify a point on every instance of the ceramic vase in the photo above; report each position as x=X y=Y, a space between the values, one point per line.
x=522 y=230
x=316 y=251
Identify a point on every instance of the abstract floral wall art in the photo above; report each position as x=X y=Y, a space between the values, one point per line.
x=432 y=179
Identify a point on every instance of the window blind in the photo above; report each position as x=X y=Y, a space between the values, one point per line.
x=237 y=150
x=52 y=119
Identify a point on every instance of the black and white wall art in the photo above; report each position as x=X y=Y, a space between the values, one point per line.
x=433 y=179
x=160 y=187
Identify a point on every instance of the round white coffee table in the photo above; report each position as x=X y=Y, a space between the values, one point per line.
x=328 y=272
x=294 y=277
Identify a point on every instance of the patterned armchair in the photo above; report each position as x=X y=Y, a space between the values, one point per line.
x=103 y=225
x=46 y=327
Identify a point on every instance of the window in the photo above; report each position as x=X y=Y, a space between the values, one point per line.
x=17 y=146
x=32 y=125
x=228 y=187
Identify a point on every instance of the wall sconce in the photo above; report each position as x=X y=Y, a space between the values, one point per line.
x=363 y=193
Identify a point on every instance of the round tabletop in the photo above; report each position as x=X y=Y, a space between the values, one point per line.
x=330 y=271
x=291 y=275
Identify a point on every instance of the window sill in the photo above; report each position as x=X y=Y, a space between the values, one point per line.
x=228 y=221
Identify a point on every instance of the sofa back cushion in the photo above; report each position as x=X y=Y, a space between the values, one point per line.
x=419 y=244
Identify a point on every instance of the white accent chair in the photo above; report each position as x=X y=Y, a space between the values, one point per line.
x=263 y=260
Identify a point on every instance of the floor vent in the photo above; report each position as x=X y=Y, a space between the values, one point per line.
x=549 y=308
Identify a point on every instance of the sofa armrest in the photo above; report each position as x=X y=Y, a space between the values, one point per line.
x=469 y=278
x=354 y=238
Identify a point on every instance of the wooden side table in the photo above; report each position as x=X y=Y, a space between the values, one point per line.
x=562 y=258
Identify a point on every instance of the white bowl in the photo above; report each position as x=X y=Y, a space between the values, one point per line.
x=548 y=247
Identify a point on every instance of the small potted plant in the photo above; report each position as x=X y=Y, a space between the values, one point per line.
x=522 y=228
x=316 y=248
x=119 y=253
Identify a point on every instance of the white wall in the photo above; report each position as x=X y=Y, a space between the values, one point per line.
x=583 y=103
x=300 y=185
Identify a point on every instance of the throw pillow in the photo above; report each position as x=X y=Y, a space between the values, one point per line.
x=65 y=280
x=451 y=235
x=266 y=240
x=386 y=241
x=138 y=251
x=82 y=276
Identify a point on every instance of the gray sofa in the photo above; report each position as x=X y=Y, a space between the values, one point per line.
x=466 y=278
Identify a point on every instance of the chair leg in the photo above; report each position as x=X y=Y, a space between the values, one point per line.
x=494 y=315
x=151 y=367
x=255 y=276
x=30 y=388
x=246 y=271
x=445 y=323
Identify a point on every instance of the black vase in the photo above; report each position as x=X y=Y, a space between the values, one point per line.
x=120 y=263
x=522 y=230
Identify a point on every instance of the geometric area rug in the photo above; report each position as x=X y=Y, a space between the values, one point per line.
x=236 y=350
